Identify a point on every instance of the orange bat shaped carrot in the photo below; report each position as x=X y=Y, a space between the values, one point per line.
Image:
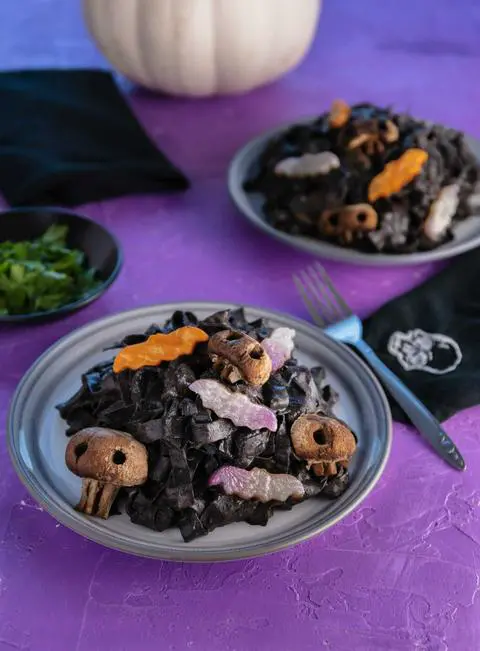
x=397 y=174
x=159 y=348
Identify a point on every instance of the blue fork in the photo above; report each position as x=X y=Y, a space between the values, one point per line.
x=330 y=311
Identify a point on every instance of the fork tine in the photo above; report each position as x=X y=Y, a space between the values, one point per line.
x=325 y=297
x=303 y=291
x=328 y=281
x=321 y=297
x=320 y=305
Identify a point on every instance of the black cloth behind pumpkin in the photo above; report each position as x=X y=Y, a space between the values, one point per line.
x=69 y=137
x=430 y=337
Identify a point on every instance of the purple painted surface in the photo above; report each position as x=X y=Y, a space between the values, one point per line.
x=400 y=573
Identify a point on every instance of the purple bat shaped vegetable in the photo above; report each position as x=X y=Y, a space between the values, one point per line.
x=234 y=406
x=257 y=484
x=279 y=346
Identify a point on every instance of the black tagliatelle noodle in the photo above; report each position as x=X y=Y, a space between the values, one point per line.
x=297 y=205
x=187 y=443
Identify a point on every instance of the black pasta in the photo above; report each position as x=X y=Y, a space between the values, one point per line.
x=301 y=205
x=187 y=443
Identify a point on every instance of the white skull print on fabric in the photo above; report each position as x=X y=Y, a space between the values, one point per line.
x=417 y=350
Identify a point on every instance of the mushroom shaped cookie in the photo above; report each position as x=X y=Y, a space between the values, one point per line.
x=106 y=460
x=239 y=357
x=325 y=443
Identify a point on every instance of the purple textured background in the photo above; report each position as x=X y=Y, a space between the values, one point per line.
x=401 y=572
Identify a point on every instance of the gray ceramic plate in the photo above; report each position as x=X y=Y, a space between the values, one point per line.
x=37 y=442
x=245 y=162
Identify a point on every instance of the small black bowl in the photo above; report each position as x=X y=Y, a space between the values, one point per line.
x=102 y=251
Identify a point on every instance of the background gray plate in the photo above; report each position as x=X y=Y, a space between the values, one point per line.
x=37 y=442
x=245 y=162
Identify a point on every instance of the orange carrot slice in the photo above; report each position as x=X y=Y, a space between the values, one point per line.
x=159 y=348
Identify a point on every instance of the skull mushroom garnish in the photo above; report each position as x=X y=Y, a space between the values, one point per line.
x=347 y=221
x=324 y=442
x=106 y=460
x=238 y=356
x=372 y=137
x=390 y=133
x=339 y=115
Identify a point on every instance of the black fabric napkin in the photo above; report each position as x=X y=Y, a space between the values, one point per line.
x=430 y=338
x=68 y=137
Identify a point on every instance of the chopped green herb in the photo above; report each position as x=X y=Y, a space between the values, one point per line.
x=42 y=274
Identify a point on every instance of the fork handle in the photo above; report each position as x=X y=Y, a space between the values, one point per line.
x=421 y=417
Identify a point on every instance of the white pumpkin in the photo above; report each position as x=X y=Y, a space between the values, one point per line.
x=203 y=47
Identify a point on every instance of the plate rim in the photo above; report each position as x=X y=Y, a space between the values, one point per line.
x=68 y=520
x=319 y=248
